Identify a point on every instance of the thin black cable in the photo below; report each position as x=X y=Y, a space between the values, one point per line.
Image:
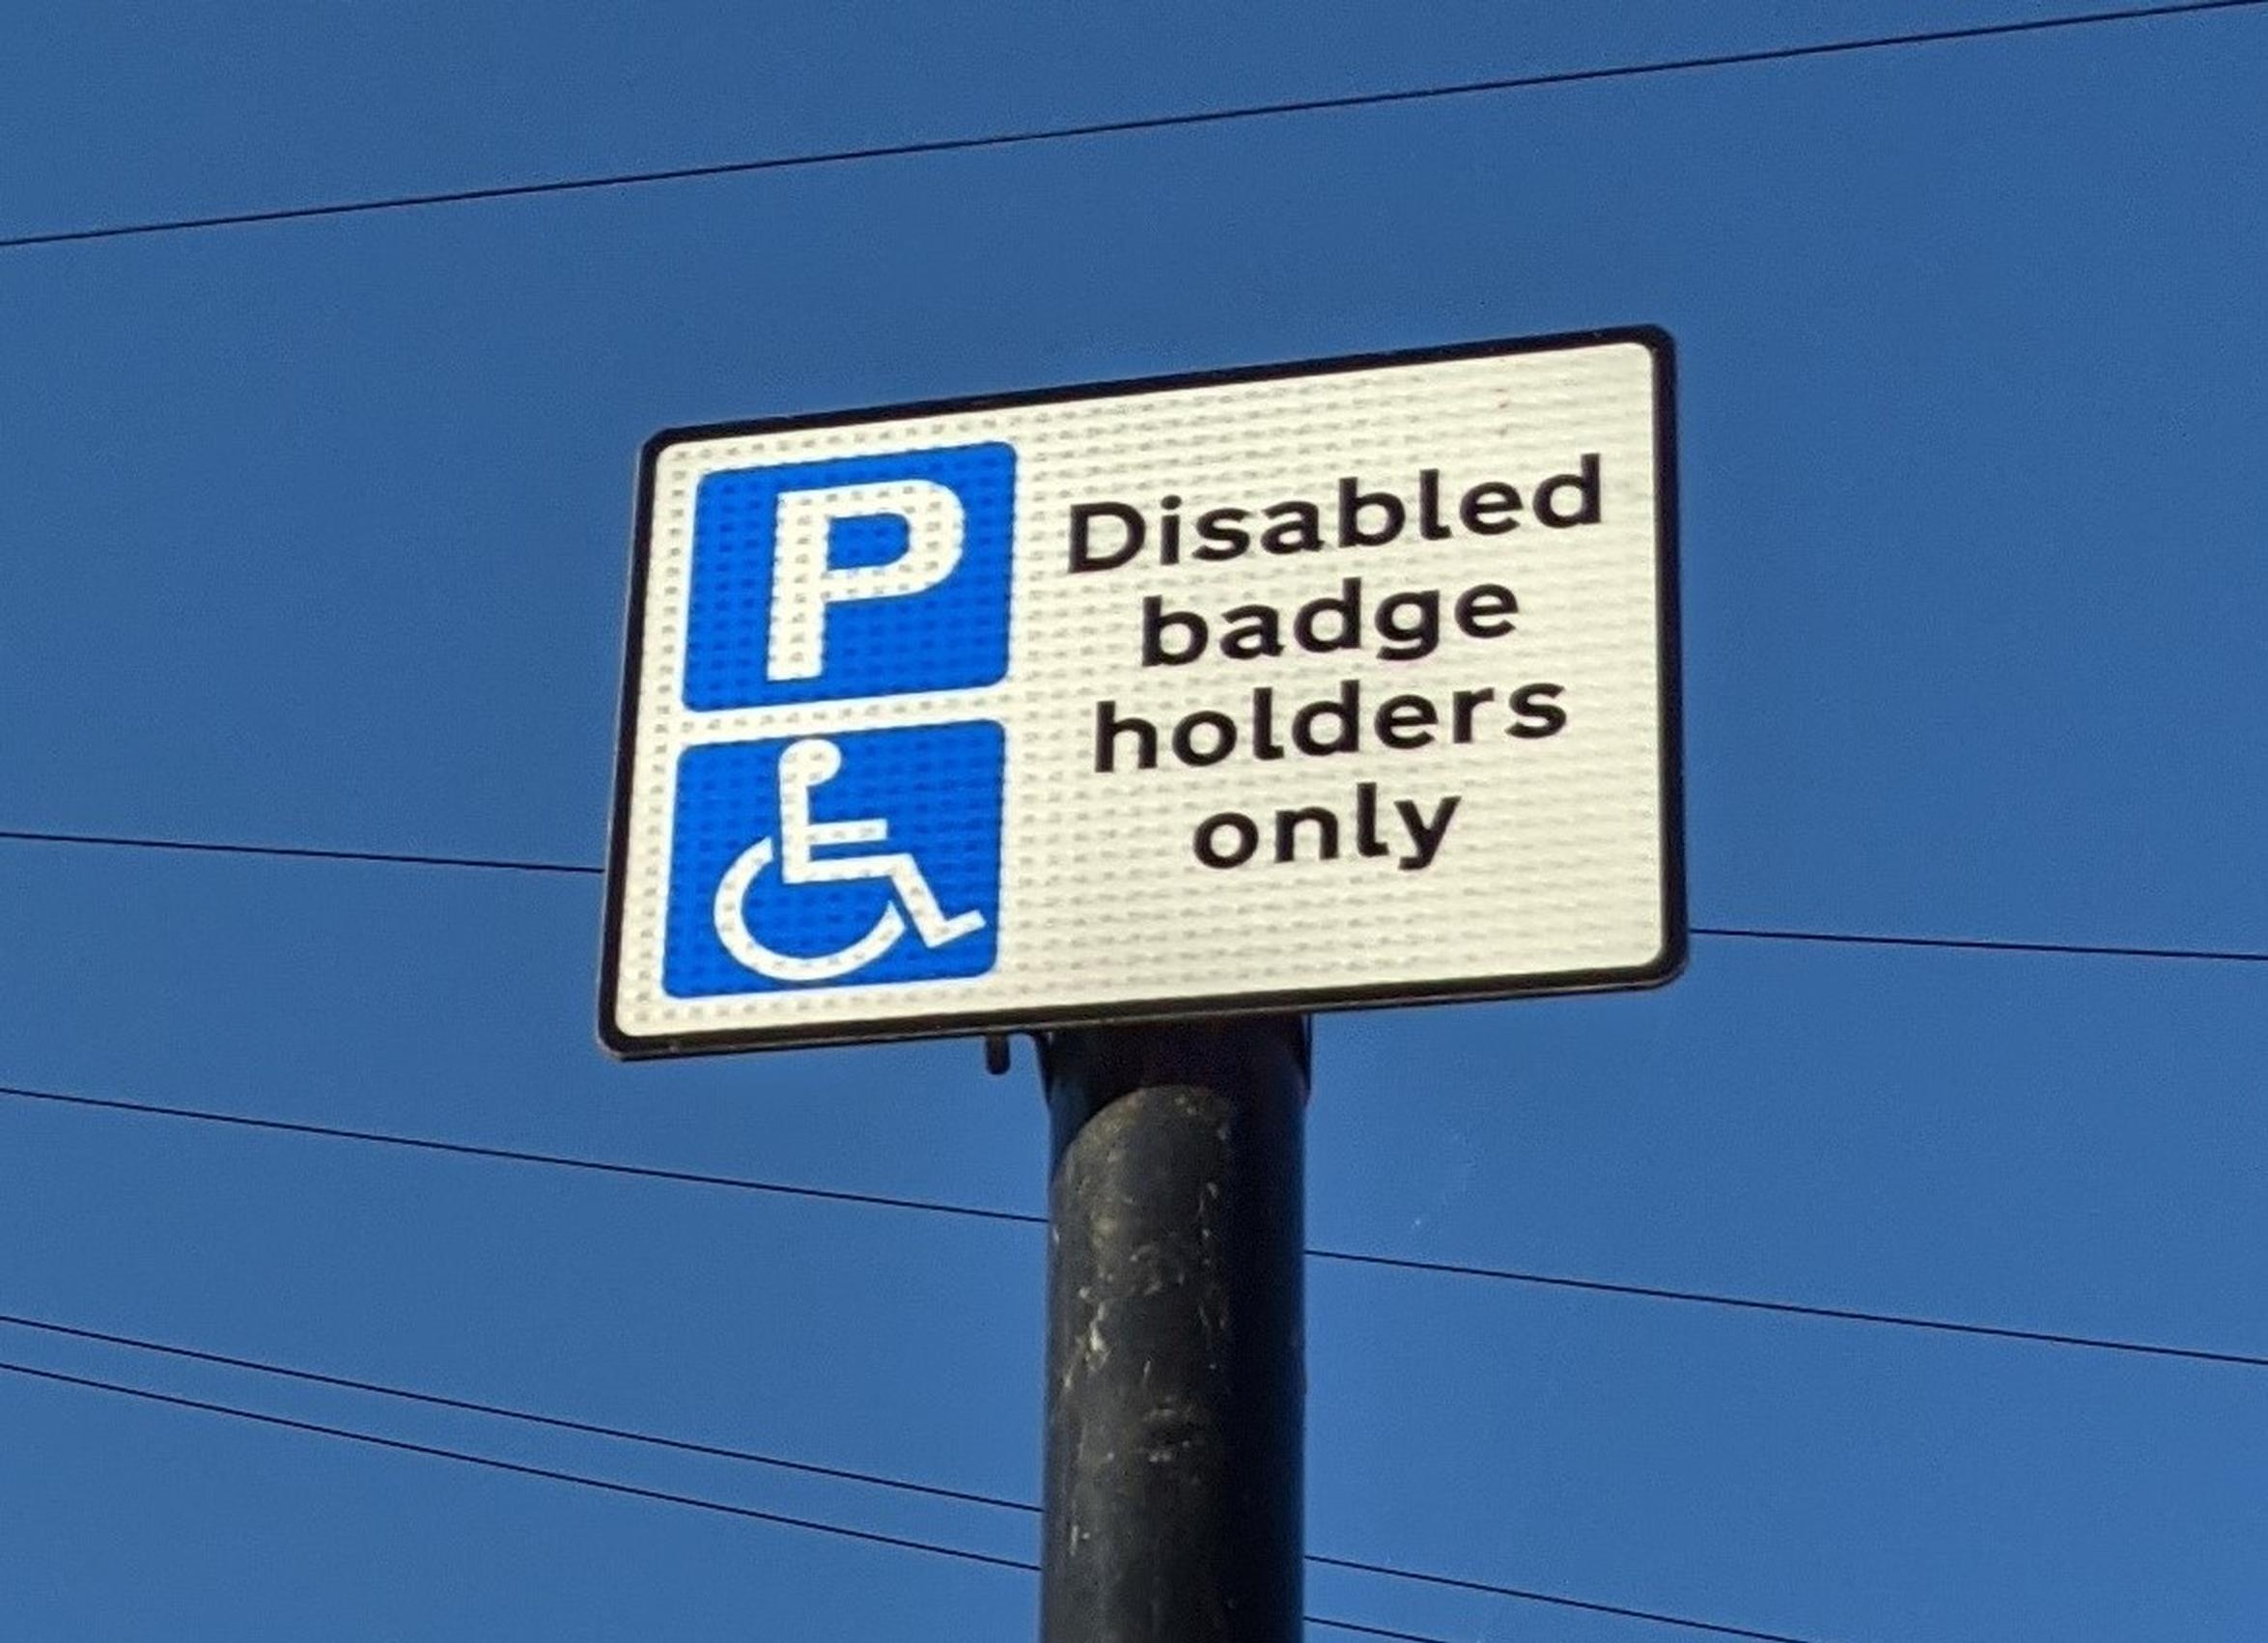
x=1991 y=944
x=1147 y=123
x=438 y=1400
x=1797 y=1309
x=1026 y=1508
x=869 y=1537
x=1375 y=1630
x=782 y=1520
x=1843 y=938
x=1617 y=1610
x=305 y=853
x=1348 y=1257
x=508 y=1154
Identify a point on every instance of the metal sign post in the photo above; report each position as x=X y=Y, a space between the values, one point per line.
x=1176 y=1386
x=1148 y=716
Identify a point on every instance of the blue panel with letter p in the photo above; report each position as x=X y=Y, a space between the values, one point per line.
x=859 y=576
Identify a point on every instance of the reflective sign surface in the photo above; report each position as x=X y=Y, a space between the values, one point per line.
x=1318 y=685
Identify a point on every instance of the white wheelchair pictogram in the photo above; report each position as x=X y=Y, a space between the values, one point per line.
x=808 y=763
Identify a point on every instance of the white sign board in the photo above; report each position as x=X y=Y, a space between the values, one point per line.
x=1344 y=683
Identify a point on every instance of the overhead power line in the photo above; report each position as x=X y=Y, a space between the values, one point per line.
x=1145 y=123
x=901 y=1543
x=316 y=1429
x=300 y=852
x=509 y=1155
x=529 y=1417
x=1800 y=1309
x=1620 y=1611
x=1991 y=944
x=581 y=870
x=1362 y=1630
x=938 y=1206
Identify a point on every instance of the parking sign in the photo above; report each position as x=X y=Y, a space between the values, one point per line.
x=1345 y=682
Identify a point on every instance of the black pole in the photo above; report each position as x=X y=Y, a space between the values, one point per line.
x=1176 y=1379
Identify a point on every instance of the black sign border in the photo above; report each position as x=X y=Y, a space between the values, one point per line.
x=1663 y=967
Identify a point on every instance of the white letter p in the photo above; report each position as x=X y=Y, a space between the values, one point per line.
x=804 y=585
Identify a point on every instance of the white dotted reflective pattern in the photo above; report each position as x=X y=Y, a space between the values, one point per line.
x=1375 y=711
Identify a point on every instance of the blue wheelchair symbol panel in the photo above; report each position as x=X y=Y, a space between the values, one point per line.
x=841 y=860
x=857 y=576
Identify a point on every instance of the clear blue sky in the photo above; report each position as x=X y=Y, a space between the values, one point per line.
x=315 y=535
